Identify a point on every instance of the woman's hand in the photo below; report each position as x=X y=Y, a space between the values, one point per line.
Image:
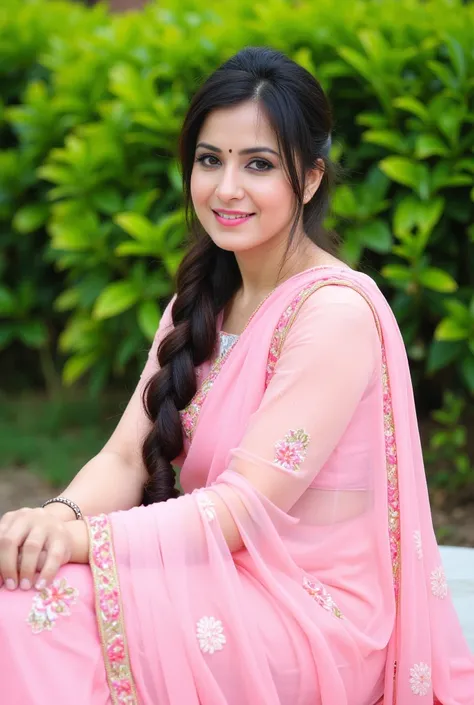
x=32 y=542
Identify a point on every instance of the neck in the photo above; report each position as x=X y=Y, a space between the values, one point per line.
x=261 y=273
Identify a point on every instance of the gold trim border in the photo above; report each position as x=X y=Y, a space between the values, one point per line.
x=109 y=611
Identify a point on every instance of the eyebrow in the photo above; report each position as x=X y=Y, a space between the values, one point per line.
x=249 y=150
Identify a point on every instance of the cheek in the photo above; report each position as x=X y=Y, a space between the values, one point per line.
x=274 y=196
x=195 y=188
x=200 y=188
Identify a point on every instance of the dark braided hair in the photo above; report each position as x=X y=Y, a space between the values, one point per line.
x=208 y=277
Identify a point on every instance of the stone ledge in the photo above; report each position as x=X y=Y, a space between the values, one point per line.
x=458 y=564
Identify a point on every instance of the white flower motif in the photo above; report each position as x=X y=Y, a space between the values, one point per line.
x=50 y=603
x=319 y=593
x=418 y=544
x=439 y=586
x=210 y=634
x=420 y=681
x=206 y=506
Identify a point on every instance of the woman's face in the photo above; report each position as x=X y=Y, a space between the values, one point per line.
x=238 y=172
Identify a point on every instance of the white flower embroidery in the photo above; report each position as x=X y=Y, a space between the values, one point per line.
x=319 y=593
x=439 y=586
x=210 y=634
x=206 y=506
x=50 y=603
x=420 y=681
x=418 y=544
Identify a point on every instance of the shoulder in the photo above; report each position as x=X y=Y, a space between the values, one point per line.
x=338 y=321
x=337 y=302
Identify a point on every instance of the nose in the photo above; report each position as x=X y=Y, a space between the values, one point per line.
x=228 y=185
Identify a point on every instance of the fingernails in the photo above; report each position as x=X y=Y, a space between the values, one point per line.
x=40 y=584
x=25 y=584
x=10 y=584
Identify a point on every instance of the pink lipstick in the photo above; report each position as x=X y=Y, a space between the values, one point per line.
x=235 y=218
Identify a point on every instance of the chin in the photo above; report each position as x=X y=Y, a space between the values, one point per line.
x=232 y=243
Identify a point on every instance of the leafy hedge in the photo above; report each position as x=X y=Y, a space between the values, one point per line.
x=92 y=228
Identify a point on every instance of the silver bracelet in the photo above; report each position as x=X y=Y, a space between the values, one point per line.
x=64 y=500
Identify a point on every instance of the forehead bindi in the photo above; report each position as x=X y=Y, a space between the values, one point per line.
x=237 y=128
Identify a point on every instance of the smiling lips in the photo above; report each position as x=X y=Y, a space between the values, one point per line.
x=232 y=217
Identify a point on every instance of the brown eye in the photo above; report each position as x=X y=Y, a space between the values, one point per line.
x=202 y=159
x=262 y=165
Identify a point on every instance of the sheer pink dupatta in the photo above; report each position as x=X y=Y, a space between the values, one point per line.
x=173 y=601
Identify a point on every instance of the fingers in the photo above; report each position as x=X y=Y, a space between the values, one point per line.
x=5 y=522
x=12 y=536
x=39 y=567
x=30 y=553
x=56 y=556
x=33 y=546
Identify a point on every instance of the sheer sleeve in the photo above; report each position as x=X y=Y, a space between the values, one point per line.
x=326 y=364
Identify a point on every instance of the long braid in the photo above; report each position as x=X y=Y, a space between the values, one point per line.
x=206 y=280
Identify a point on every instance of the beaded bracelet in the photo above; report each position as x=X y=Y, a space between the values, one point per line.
x=64 y=500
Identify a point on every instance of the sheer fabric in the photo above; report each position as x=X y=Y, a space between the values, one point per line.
x=300 y=566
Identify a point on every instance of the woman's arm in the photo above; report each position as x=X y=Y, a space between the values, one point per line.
x=115 y=477
x=79 y=541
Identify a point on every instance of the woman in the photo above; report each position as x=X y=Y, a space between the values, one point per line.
x=300 y=564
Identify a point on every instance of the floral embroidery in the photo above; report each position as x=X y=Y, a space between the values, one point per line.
x=392 y=476
x=319 y=593
x=116 y=649
x=210 y=634
x=190 y=414
x=418 y=544
x=50 y=603
x=291 y=451
x=282 y=329
x=439 y=586
x=109 y=612
x=206 y=506
x=420 y=680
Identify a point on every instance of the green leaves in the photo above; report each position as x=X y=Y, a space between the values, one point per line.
x=7 y=302
x=91 y=191
x=437 y=280
x=413 y=106
x=407 y=172
x=136 y=225
x=148 y=318
x=454 y=340
x=158 y=239
x=115 y=299
x=30 y=218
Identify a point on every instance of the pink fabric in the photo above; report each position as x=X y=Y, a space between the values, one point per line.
x=306 y=437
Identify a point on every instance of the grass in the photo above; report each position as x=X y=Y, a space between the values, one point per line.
x=55 y=438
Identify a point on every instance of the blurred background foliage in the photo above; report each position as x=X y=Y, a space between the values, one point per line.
x=91 y=223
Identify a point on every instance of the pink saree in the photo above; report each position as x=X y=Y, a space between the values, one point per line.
x=303 y=434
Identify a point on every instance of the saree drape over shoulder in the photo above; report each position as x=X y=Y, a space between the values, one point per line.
x=302 y=434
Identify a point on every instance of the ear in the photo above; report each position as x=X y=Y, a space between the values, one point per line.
x=313 y=180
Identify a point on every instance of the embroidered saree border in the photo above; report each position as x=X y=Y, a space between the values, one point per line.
x=281 y=331
x=190 y=414
x=109 y=612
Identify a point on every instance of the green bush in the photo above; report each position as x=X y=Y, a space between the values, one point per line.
x=92 y=228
